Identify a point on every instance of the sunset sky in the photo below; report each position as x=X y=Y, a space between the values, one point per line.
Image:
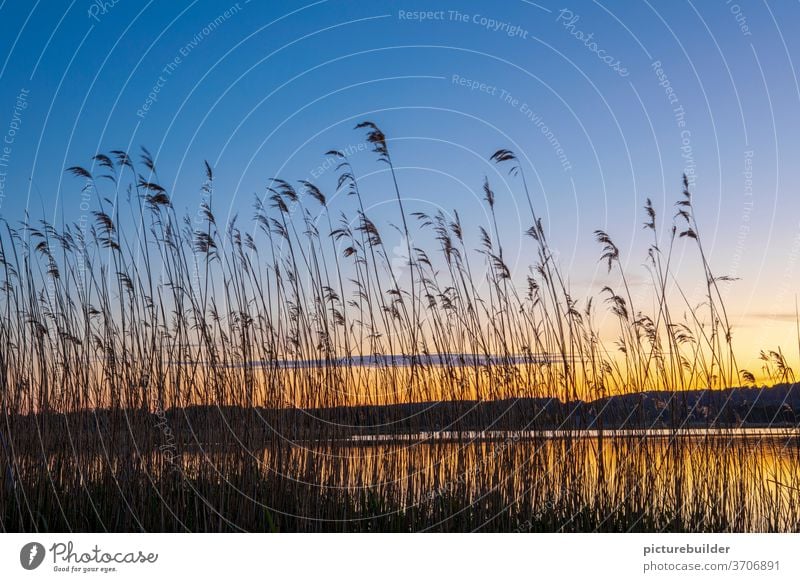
x=605 y=106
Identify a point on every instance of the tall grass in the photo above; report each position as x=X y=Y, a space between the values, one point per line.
x=148 y=360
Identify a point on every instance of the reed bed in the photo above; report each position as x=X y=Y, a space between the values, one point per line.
x=161 y=372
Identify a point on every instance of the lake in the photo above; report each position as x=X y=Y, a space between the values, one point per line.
x=703 y=480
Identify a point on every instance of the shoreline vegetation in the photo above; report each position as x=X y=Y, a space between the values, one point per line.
x=727 y=413
x=155 y=372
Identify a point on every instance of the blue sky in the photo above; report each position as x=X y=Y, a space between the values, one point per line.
x=263 y=89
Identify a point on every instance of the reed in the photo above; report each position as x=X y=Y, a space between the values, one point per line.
x=170 y=373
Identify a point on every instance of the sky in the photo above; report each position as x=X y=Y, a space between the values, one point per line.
x=605 y=104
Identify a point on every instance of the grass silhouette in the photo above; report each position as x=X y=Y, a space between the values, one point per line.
x=148 y=360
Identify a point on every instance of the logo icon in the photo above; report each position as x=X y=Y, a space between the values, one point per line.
x=31 y=555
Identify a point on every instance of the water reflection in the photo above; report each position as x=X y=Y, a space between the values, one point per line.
x=737 y=481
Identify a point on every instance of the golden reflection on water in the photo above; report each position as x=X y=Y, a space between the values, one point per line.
x=744 y=482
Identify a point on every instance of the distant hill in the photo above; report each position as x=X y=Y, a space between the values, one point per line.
x=776 y=406
x=735 y=407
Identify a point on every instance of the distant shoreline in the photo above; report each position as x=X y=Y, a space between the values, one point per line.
x=750 y=411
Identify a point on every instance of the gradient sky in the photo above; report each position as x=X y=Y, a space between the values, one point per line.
x=272 y=86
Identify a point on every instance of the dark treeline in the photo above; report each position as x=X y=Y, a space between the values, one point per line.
x=189 y=427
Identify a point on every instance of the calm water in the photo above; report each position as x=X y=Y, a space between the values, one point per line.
x=513 y=436
x=746 y=480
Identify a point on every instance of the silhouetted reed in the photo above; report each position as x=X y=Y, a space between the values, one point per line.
x=171 y=373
